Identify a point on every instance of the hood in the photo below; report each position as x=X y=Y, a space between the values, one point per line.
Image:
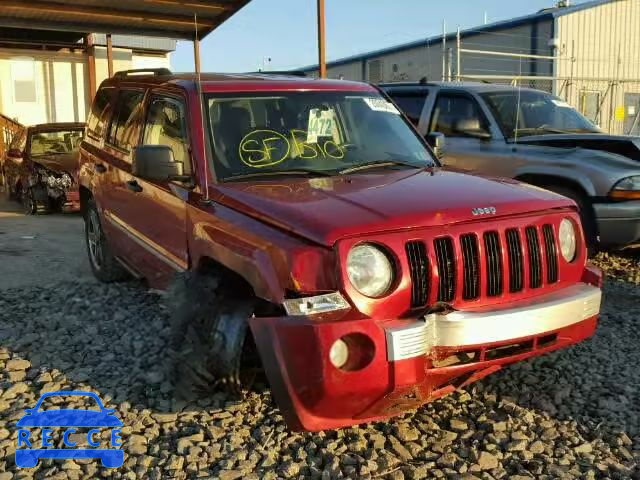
x=326 y=209
x=60 y=163
x=626 y=146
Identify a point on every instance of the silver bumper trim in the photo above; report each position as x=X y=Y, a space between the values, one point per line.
x=460 y=329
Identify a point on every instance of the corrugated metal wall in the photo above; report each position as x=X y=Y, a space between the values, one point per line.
x=599 y=50
x=411 y=64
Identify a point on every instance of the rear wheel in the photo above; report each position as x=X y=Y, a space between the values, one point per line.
x=587 y=217
x=103 y=264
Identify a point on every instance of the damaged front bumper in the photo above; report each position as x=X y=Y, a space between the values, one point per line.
x=59 y=187
x=403 y=363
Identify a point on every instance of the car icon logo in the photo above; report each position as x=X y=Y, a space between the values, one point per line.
x=67 y=419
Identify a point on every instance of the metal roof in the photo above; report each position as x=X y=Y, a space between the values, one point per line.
x=546 y=14
x=162 y=18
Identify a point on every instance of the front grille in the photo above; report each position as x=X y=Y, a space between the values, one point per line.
x=551 y=253
x=445 y=256
x=419 y=269
x=471 y=262
x=516 y=267
x=493 y=257
x=514 y=258
x=535 y=260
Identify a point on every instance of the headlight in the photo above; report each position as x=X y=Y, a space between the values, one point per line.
x=567 y=239
x=369 y=270
x=627 y=189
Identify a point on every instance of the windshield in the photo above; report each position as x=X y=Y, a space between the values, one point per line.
x=52 y=143
x=309 y=133
x=539 y=114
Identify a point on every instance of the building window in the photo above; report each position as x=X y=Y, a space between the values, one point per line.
x=23 y=76
x=375 y=71
x=591 y=105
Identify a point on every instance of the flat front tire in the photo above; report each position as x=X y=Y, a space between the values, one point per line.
x=209 y=337
x=104 y=265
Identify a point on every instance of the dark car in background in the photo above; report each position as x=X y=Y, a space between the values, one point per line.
x=536 y=138
x=40 y=169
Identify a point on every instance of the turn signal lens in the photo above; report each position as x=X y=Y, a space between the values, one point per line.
x=626 y=189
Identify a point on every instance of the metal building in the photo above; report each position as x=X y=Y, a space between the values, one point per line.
x=588 y=54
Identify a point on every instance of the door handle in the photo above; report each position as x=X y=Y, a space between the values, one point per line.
x=134 y=186
x=100 y=168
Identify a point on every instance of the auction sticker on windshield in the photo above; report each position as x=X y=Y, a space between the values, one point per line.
x=40 y=430
x=322 y=123
x=380 y=105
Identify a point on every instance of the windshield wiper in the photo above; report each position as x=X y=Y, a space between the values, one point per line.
x=385 y=163
x=273 y=173
x=541 y=128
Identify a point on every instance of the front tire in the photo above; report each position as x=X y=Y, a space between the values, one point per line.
x=30 y=203
x=104 y=265
x=210 y=336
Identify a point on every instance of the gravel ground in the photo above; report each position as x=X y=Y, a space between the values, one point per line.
x=571 y=414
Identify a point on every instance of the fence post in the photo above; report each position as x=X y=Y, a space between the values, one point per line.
x=458 y=55
x=444 y=50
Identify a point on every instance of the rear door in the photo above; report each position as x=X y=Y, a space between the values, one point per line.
x=155 y=212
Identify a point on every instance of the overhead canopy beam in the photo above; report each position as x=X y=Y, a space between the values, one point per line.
x=166 y=18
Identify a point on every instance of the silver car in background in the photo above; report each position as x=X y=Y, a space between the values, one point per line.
x=536 y=138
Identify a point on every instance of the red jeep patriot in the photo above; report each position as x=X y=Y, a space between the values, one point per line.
x=308 y=218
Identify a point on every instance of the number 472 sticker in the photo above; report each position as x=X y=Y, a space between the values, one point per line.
x=322 y=123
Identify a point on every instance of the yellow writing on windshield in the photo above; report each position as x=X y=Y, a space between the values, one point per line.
x=263 y=148
x=266 y=148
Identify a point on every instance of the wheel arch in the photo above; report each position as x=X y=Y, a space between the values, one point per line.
x=579 y=184
x=85 y=196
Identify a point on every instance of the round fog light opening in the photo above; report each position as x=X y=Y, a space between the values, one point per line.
x=339 y=353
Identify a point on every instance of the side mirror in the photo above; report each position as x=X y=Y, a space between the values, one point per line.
x=470 y=127
x=156 y=163
x=14 y=154
x=436 y=141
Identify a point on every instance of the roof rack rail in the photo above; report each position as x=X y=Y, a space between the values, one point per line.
x=292 y=73
x=143 y=71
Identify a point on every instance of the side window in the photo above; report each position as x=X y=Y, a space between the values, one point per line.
x=166 y=125
x=99 y=113
x=128 y=107
x=410 y=103
x=451 y=109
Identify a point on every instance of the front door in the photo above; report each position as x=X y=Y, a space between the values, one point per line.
x=157 y=210
x=491 y=156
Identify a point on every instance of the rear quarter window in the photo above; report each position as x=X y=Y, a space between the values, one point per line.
x=99 y=115
x=411 y=103
x=125 y=119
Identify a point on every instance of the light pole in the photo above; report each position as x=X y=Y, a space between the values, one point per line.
x=322 y=64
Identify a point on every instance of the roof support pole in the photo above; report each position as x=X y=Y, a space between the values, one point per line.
x=91 y=60
x=109 y=55
x=196 y=54
x=321 y=41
